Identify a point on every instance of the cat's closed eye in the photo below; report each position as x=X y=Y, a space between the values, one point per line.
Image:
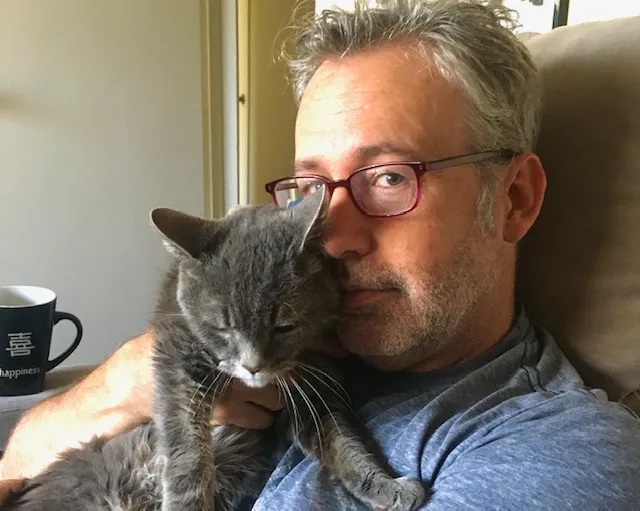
x=284 y=329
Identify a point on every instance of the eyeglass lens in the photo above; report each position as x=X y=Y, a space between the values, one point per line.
x=385 y=190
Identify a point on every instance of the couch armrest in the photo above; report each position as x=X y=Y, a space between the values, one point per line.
x=12 y=408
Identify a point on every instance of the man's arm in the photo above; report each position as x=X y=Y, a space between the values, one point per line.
x=113 y=398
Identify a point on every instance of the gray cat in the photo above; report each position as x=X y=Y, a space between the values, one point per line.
x=243 y=299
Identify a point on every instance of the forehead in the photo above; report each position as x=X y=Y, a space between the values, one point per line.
x=273 y=247
x=391 y=98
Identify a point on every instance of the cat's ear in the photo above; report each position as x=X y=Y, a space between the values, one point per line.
x=181 y=233
x=311 y=212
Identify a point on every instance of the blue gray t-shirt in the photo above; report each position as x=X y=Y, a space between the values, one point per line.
x=513 y=430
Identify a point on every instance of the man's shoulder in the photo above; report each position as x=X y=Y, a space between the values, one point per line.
x=580 y=418
x=570 y=450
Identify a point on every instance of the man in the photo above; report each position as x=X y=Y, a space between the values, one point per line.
x=453 y=380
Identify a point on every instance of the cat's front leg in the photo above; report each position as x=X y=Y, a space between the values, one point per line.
x=182 y=412
x=325 y=428
x=340 y=449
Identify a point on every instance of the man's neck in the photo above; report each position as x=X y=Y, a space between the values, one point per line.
x=484 y=330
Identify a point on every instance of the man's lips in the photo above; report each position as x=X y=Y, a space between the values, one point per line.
x=352 y=298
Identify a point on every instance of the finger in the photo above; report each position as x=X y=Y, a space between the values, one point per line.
x=243 y=415
x=268 y=397
x=9 y=485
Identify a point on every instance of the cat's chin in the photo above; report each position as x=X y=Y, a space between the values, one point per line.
x=256 y=380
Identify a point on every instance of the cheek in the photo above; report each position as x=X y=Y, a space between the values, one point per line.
x=410 y=242
x=415 y=244
x=283 y=349
x=221 y=348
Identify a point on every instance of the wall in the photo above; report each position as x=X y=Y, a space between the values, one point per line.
x=100 y=121
x=272 y=110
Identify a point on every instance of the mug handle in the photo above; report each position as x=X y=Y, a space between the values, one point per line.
x=59 y=316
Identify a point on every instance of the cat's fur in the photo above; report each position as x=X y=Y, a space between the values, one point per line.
x=251 y=289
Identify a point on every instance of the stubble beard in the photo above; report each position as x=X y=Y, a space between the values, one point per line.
x=421 y=319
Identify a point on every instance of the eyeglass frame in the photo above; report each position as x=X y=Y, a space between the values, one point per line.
x=420 y=168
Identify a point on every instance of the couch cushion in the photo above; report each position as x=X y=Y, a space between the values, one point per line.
x=579 y=269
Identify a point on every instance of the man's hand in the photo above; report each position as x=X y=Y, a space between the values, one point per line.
x=9 y=485
x=247 y=407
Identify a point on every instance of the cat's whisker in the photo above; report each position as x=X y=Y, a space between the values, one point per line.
x=315 y=369
x=200 y=385
x=323 y=402
x=215 y=395
x=296 y=414
x=204 y=394
x=313 y=411
x=338 y=394
x=219 y=389
x=226 y=384
x=293 y=412
x=322 y=376
x=345 y=398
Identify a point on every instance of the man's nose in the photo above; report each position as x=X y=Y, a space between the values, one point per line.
x=347 y=231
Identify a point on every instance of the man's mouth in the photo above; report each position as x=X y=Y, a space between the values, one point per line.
x=353 y=298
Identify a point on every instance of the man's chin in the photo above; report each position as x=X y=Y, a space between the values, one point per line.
x=375 y=351
x=390 y=348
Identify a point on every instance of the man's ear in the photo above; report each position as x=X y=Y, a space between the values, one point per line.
x=182 y=234
x=525 y=184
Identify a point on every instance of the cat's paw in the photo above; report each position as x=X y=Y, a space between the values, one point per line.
x=410 y=495
x=400 y=494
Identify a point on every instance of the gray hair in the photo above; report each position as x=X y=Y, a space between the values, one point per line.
x=473 y=47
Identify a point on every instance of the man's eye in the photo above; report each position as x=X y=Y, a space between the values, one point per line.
x=389 y=179
x=311 y=187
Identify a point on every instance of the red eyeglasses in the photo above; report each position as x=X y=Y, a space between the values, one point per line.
x=381 y=190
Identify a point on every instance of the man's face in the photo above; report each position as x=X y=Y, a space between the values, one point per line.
x=415 y=282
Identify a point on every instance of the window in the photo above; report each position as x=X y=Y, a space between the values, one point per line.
x=533 y=15
x=541 y=15
x=581 y=11
x=328 y=4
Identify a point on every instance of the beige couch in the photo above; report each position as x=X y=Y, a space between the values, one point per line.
x=579 y=271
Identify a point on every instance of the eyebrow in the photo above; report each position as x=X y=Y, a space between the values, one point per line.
x=361 y=154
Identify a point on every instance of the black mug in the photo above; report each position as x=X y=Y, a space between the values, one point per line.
x=27 y=317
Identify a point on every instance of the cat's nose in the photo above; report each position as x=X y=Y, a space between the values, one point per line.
x=253 y=368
